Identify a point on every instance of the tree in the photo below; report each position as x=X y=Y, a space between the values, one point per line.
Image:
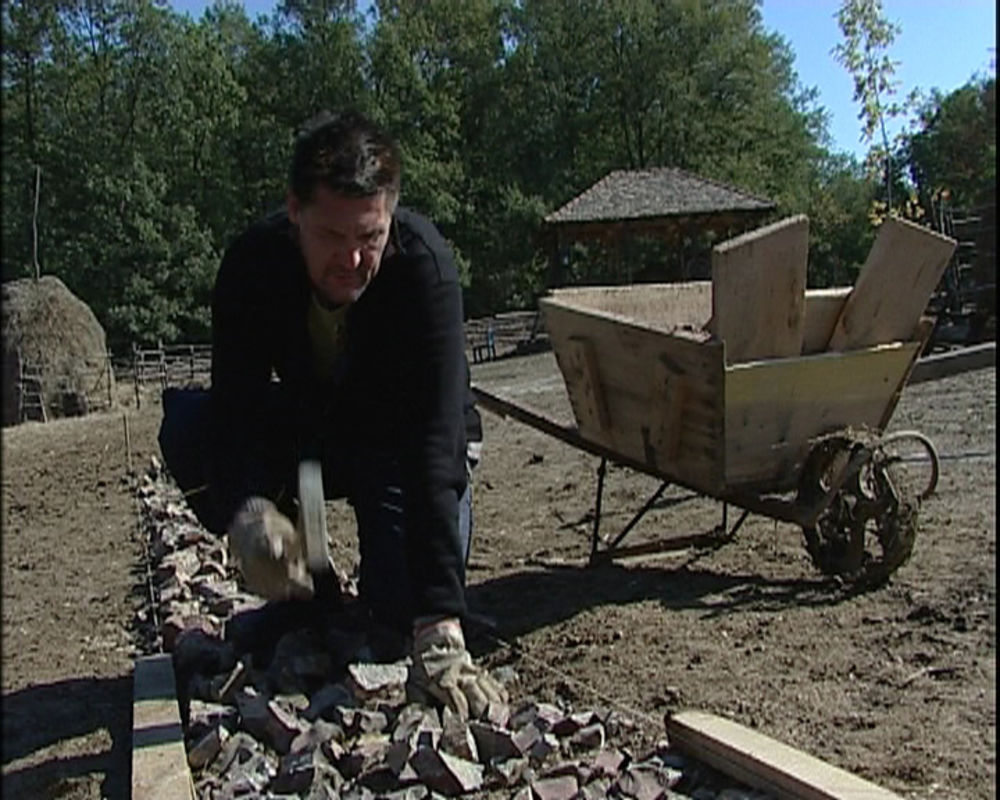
x=29 y=33
x=589 y=87
x=840 y=231
x=505 y=109
x=953 y=150
x=868 y=35
x=122 y=233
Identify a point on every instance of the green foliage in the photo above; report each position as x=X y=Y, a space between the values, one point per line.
x=160 y=137
x=953 y=150
x=868 y=35
x=841 y=232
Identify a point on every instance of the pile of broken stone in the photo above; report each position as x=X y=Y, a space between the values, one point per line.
x=287 y=706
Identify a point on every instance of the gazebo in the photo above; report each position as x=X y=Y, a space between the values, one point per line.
x=665 y=203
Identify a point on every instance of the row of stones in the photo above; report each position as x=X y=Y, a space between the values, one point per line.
x=309 y=725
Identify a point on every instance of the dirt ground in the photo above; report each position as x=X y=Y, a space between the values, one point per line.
x=896 y=684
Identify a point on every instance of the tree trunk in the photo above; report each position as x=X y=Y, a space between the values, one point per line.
x=34 y=223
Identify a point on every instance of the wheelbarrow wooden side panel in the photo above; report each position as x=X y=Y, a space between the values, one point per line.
x=658 y=306
x=665 y=397
x=724 y=384
x=653 y=396
x=774 y=408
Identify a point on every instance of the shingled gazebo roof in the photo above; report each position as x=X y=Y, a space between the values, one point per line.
x=657 y=199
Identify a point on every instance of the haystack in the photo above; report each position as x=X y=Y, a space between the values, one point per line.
x=50 y=332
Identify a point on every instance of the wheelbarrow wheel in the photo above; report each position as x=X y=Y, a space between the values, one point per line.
x=912 y=461
x=868 y=526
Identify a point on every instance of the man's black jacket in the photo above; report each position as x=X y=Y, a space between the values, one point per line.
x=401 y=386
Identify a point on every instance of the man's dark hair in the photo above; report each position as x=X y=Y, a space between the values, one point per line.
x=348 y=154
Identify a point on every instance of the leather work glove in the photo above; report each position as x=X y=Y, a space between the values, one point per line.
x=269 y=551
x=443 y=673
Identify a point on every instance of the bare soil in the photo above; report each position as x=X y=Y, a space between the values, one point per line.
x=896 y=684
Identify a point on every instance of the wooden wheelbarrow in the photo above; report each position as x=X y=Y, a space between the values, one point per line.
x=753 y=390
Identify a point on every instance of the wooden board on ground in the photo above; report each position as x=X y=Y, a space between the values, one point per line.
x=954 y=362
x=765 y=763
x=758 y=291
x=159 y=760
x=903 y=267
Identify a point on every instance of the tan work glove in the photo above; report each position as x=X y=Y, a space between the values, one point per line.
x=269 y=552
x=443 y=673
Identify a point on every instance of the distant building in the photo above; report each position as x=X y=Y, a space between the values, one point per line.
x=682 y=212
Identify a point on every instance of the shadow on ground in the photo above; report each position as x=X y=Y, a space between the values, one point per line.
x=530 y=600
x=37 y=718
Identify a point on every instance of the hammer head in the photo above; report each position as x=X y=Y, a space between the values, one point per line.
x=312 y=516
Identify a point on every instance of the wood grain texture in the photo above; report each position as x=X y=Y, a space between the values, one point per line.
x=592 y=405
x=899 y=275
x=634 y=364
x=766 y=763
x=159 y=759
x=659 y=306
x=823 y=307
x=775 y=407
x=758 y=291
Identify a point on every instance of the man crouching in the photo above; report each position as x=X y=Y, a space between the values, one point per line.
x=354 y=304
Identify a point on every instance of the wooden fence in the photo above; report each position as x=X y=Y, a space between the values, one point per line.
x=170 y=365
x=37 y=390
x=502 y=334
x=162 y=366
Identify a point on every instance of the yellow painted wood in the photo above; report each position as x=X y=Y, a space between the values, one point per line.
x=823 y=307
x=758 y=291
x=766 y=763
x=159 y=760
x=920 y=339
x=894 y=286
x=774 y=408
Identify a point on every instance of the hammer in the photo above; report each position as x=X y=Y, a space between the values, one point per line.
x=312 y=519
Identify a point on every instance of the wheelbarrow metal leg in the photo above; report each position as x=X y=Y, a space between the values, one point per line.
x=595 y=537
x=639 y=515
x=596 y=554
x=729 y=534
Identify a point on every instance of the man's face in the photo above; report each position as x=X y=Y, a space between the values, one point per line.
x=342 y=240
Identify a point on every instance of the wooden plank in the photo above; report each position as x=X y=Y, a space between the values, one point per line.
x=658 y=306
x=773 y=408
x=758 y=291
x=668 y=397
x=159 y=760
x=901 y=271
x=766 y=763
x=626 y=353
x=923 y=333
x=592 y=404
x=942 y=365
x=823 y=307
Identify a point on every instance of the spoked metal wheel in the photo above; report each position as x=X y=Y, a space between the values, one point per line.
x=867 y=519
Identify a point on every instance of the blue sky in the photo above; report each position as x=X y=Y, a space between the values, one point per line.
x=942 y=44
